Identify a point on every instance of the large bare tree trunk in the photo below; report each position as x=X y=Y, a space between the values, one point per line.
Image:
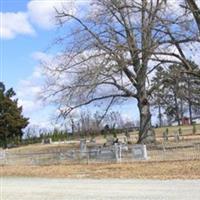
x=146 y=133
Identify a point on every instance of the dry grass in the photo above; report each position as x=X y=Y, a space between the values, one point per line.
x=184 y=169
x=186 y=131
x=141 y=170
x=40 y=148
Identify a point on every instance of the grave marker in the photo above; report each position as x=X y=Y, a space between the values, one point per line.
x=139 y=152
x=118 y=152
x=2 y=155
x=165 y=135
x=176 y=136
x=83 y=147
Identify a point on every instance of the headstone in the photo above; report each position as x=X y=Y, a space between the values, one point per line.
x=47 y=141
x=109 y=141
x=125 y=140
x=124 y=147
x=118 y=152
x=71 y=154
x=94 y=152
x=176 y=136
x=62 y=156
x=139 y=152
x=11 y=145
x=2 y=155
x=83 y=147
x=106 y=154
x=165 y=136
x=163 y=146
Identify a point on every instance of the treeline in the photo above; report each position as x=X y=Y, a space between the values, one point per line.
x=34 y=135
x=176 y=95
x=88 y=124
x=82 y=126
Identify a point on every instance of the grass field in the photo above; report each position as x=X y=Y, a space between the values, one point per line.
x=171 y=167
x=186 y=132
x=141 y=170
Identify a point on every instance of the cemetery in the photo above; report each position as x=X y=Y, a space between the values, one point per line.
x=107 y=91
x=169 y=146
x=174 y=155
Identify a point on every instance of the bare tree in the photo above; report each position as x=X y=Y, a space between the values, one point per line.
x=193 y=6
x=112 y=51
x=114 y=120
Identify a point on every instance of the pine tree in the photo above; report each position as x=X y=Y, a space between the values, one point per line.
x=176 y=92
x=158 y=101
x=11 y=119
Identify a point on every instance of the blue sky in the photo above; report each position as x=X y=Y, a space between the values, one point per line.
x=27 y=31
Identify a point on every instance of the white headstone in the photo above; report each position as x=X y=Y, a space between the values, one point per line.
x=176 y=136
x=83 y=147
x=118 y=152
x=125 y=140
x=2 y=155
x=106 y=154
x=139 y=152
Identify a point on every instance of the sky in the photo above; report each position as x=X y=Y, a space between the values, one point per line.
x=27 y=32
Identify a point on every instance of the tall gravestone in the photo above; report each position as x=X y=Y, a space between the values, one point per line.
x=2 y=154
x=2 y=157
x=165 y=135
x=83 y=147
x=176 y=136
x=118 y=152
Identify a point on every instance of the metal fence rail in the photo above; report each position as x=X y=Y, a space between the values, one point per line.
x=162 y=152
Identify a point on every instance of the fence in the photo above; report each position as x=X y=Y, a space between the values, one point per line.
x=98 y=154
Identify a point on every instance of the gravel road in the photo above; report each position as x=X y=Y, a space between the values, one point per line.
x=107 y=189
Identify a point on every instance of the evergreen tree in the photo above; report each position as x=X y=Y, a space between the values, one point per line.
x=158 y=100
x=11 y=119
x=176 y=92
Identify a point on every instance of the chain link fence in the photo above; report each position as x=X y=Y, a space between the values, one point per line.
x=166 y=151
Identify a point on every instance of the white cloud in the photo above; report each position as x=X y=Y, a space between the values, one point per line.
x=28 y=105
x=43 y=13
x=28 y=91
x=41 y=56
x=39 y=12
x=13 y=24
